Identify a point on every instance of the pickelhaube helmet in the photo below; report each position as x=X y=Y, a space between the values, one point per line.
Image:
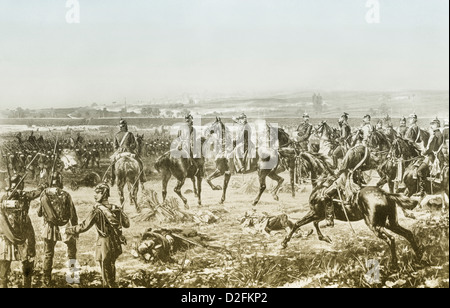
x=436 y=122
x=305 y=115
x=345 y=115
x=57 y=180
x=367 y=116
x=403 y=120
x=102 y=188
x=413 y=116
x=188 y=118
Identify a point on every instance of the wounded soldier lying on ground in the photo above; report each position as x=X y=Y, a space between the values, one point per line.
x=161 y=244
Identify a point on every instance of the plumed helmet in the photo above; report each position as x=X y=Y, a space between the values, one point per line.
x=102 y=188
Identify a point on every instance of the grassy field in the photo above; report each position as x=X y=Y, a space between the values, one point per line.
x=255 y=259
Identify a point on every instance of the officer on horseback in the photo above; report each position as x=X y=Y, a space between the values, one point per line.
x=244 y=144
x=413 y=132
x=432 y=152
x=344 y=138
x=402 y=127
x=188 y=139
x=304 y=131
x=445 y=133
x=367 y=129
x=17 y=239
x=124 y=141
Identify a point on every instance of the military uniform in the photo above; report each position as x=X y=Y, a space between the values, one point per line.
x=244 y=145
x=432 y=152
x=124 y=141
x=108 y=220
x=17 y=238
x=304 y=131
x=51 y=232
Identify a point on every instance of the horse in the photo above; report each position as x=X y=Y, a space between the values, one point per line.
x=128 y=171
x=375 y=206
x=171 y=163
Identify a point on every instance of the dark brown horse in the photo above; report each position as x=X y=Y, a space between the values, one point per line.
x=172 y=163
x=375 y=206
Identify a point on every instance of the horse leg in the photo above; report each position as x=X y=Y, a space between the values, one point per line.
x=194 y=186
x=309 y=217
x=319 y=233
x=211 y=177
x=279 y=180
x=120 y=185
x=292 y=179
x=177 y=190
x=408 y=235
x=381 y=233
x=199 y=189
x=262 y=174
x=226 y=180
x=165 y=180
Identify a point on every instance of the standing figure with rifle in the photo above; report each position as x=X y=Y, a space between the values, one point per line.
x=109 y=220
x=17 y=239
x=58 y=210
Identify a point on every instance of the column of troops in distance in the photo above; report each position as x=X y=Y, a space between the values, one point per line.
x=17 y=238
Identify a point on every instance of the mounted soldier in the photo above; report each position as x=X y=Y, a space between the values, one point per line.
x=17 y=239
x=304 y=131
x=187 y=137
x=446 y=141
x=413 y=132
x=367 y=129
x=124 y=142
x=58 y=210
x=244 y=145
x=433 y=156
x=402 y=127
x=344 y=139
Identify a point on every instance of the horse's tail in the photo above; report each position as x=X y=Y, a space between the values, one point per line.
x=402 y=201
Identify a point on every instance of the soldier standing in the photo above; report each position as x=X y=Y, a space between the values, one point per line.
x=124 y=141
x=109 y=220
x=51 y=233
x=17 y=239
x=304 y=131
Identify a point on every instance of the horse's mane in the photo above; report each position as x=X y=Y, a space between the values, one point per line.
x=378 y=138
x=317 y=161
x=406 y=145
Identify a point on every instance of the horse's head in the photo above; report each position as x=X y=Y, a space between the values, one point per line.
x=323 y=129
x=402 y=147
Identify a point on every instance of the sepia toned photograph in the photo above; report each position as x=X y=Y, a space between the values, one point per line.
x=223 y=149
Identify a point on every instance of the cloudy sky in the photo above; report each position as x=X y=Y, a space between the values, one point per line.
x=142 y=49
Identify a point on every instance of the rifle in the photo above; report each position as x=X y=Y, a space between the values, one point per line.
x=7 y=168
x=54 y=161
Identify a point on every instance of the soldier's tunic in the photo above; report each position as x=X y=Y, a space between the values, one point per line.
x=187 y=136
x=304 y=131
x=432 y=151
x=124 y=142
x=367 y=130
x=346 y=132
x=244 y=148
x=402 y=131
x=412 y=133
x=108 y=220
x=445 y=149
x=51 y=233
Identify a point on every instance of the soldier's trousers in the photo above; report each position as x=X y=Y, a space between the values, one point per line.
x=108 y=268
x=27 y=272
x=49 y=252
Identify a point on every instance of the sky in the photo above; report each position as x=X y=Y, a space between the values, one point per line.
x=146 y=49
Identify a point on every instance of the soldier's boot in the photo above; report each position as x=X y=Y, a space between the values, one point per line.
x=27 y=270
x=113 y=175
x=421 y=191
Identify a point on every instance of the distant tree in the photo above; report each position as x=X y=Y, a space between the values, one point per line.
x=94 y=105
x=169 y=113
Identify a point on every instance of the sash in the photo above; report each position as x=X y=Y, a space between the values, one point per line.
x=8 y=232
x=123 y=139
